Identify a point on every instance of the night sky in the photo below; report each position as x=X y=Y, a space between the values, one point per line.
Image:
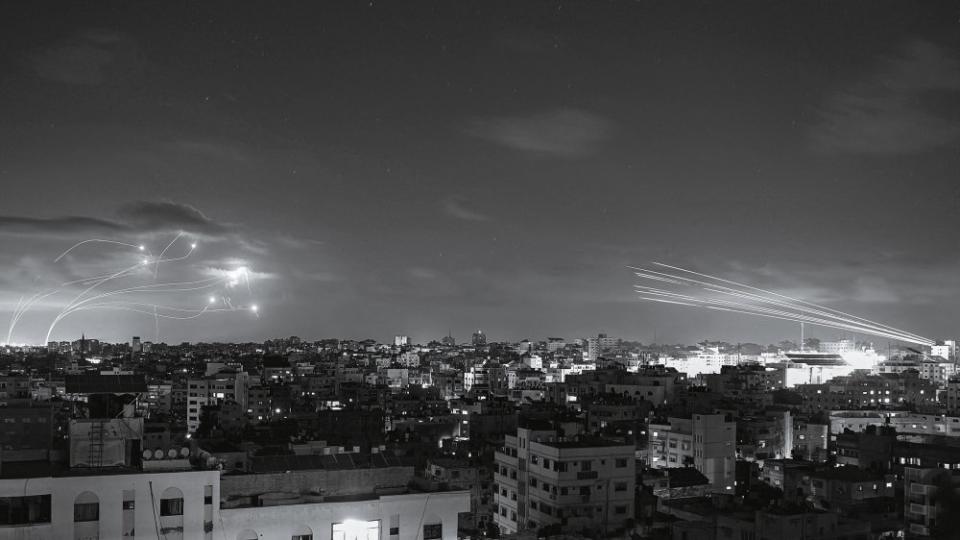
x=421 y=168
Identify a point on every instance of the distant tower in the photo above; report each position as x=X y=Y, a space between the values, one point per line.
x=135 y=345
x=479 y=339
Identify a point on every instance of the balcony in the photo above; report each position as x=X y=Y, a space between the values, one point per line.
x=918 y=509
x=587 y=475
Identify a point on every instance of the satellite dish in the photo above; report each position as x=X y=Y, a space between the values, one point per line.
x=184 y=452
x=158 y=454
x=172 y=453
x=147 y=454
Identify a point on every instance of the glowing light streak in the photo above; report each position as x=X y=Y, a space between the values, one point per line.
x=138 y=247
x=883 y=328
x=799 y=301
x=90 y=297
x=761 y=303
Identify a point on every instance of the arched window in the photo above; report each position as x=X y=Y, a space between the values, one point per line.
x=171 y=502
x=86 y=507
x=302 y=532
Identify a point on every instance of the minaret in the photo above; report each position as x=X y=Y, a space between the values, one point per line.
x=83 y=346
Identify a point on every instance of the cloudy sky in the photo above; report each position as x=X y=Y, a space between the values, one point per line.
x=421 y=167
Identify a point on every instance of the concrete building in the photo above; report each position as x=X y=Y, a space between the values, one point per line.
x=951 y=396
x=214 y=390
x=580 y=484
x=658 y=385
x=706 y=442
x=179 y=505
x=924 y=500
x=766 y=435
x=837 y=347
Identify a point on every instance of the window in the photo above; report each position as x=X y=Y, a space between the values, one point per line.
x=86 y=512
x=620 y=486
x=560 y=466
x=208 y=494
x=171 y=507
x=586 y=465
x=620 y=463
x=302 y=537
x=546 y=463
x=620 y=510
x=433 y=531
x=129 y=505
x=534 y=459
x=23 y=510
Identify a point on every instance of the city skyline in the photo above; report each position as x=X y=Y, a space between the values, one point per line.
x=420 y=168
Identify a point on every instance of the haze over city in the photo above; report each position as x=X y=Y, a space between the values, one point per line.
x=434 y=167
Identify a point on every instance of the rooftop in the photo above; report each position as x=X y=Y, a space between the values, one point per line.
x=105 y=384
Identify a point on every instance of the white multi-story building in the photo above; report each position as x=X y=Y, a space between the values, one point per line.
x=705 y=441
x=837 y=347
x=946 y=350
x=179 y=505
x=176 y=505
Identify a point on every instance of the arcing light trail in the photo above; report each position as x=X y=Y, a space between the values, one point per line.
x=679 y=286
x=112 y=290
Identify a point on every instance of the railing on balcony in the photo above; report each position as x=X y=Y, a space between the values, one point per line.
x=918 y=509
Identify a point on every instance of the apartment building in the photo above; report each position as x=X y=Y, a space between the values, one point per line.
x=706 y=442
x=578 y=483
x=213 y=390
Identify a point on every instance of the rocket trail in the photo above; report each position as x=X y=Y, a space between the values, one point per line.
x=735 y=292
x=797 y=307
x=811 y=304
x=749 y=300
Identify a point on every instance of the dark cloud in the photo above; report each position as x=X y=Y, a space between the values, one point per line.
x=57 y=226
x=893 y=110
x=140 y=217
x=566 y=133
x=169 y=216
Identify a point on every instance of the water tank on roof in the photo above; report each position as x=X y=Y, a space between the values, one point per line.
x=184 y=452
x=147 y=454
x=172 y=453
x=158 y=454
